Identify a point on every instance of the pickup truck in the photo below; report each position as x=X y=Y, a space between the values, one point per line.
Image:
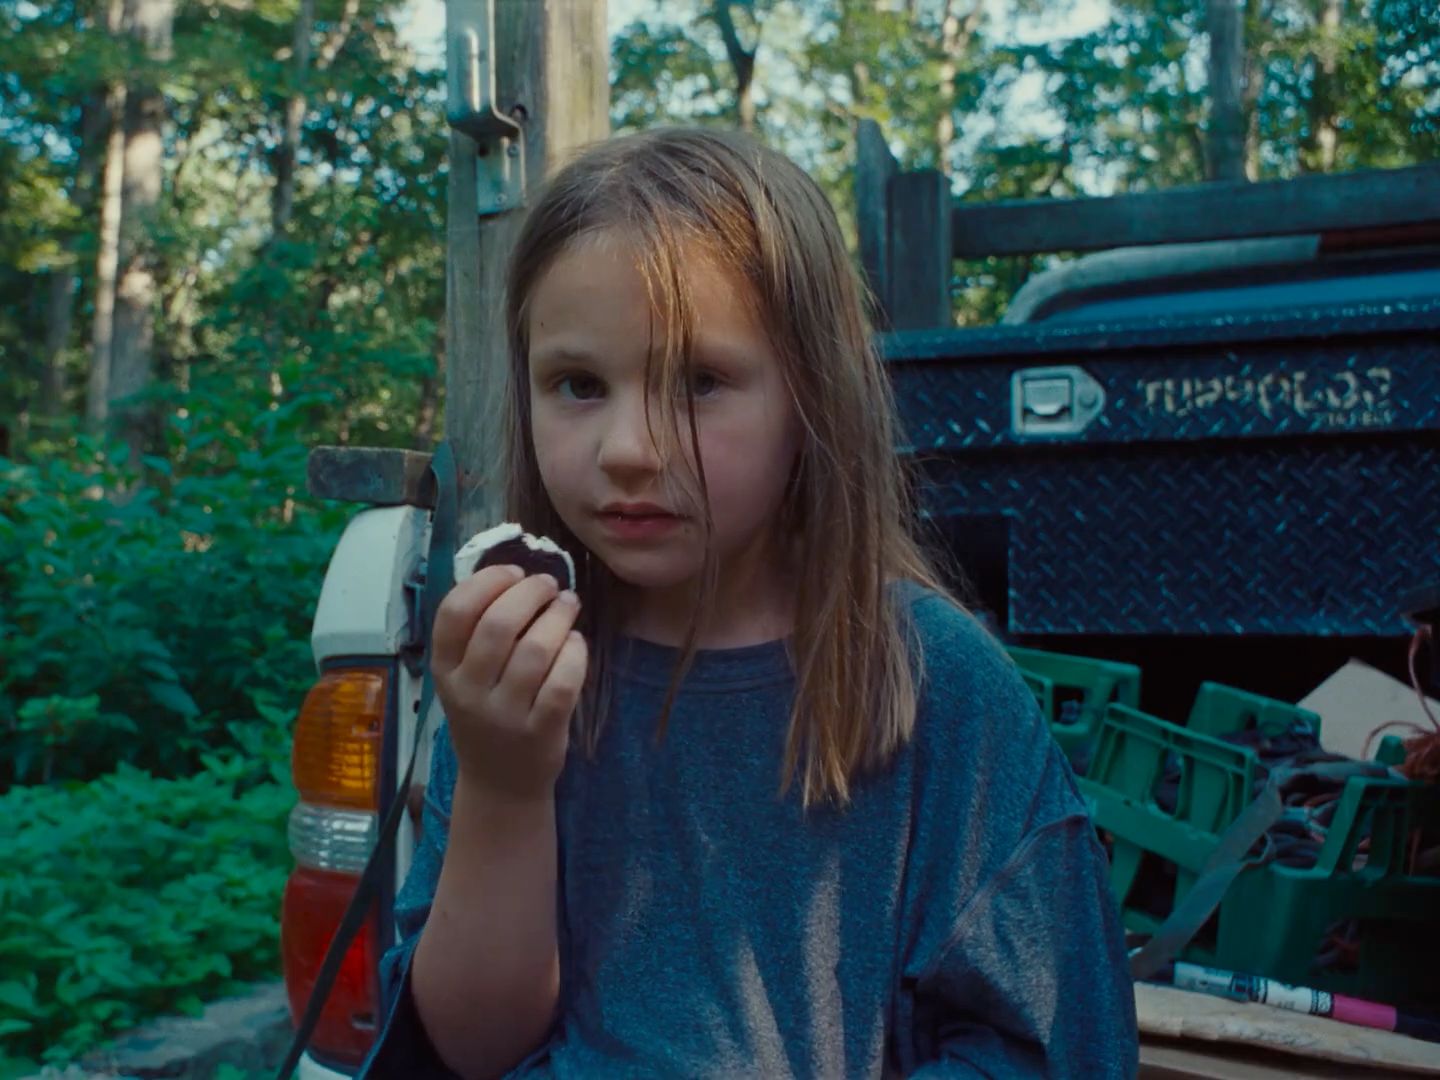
x=1216 y=456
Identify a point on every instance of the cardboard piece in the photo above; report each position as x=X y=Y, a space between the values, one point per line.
x=1357 y=699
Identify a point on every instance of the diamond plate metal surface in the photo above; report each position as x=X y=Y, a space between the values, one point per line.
x=1303 y=539
x=1177 y=387
x=1201 y=511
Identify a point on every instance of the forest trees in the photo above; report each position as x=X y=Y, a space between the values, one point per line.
x=251 y=191
x=222 y=242
x=248 y=190
x=1036 y=98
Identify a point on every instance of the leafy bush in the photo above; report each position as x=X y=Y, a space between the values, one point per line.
x=154 y=645
x=141 y=617
x=128 y=896
x=231 y=1072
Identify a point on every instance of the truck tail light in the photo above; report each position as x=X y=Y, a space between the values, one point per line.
x=336 y=766
x=335 y=759
x=336 y=840
x=314 y=903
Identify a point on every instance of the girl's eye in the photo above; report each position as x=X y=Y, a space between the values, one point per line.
x=579 y=387
x=704 y=383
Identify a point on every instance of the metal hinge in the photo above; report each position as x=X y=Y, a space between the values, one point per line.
x=470 y=109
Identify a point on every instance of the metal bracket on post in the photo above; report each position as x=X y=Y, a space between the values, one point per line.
x=499 y=140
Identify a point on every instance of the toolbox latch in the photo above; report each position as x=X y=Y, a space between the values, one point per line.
x=1054 y=401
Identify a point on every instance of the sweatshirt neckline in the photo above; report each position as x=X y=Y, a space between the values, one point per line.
x=745 y=667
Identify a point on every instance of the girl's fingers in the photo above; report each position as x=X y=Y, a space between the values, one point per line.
x=561 y=690
x=534 y=654
x=461 y=609
x=501 y=626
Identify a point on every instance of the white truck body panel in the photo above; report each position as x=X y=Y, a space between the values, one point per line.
x=365 y=610
x=310 y=1069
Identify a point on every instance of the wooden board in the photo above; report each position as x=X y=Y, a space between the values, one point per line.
x=1373 y=198
x=921 y=262
x=374 y=475
x=1177 y=1059
x=1169 y=1014
x=875 y=166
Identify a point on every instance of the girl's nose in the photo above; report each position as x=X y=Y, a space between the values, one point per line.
x=626 y=446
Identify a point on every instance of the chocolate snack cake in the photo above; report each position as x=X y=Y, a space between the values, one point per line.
x=510 y=545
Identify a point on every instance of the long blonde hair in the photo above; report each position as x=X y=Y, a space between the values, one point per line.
x=848 y=507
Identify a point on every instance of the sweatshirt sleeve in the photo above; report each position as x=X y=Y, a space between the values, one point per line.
x=1031 y=982
x=403 y=1047
x=1012 y=959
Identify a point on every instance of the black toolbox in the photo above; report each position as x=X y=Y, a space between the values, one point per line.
x=1267 y=474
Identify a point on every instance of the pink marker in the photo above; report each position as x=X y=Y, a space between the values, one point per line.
x=1263 y=991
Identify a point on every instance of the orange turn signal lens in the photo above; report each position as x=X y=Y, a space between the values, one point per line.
x=335 y=758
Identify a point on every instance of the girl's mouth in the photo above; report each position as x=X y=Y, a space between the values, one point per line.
x=639 y=526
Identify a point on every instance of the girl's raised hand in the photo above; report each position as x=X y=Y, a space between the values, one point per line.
x=508 y=669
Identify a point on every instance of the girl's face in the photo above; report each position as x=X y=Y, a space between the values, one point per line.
x=591 y=324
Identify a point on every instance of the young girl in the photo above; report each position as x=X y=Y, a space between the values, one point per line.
x=762 y=799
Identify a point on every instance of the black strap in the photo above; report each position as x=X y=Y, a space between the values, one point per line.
x=439 y=576
x=1230 y=857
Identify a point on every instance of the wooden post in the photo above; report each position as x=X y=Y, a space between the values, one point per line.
x=874 y=168
x=551 y=62
x=1404 y=199
x=920 y=251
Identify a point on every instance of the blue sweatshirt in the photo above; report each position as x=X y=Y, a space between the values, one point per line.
x=954 y=920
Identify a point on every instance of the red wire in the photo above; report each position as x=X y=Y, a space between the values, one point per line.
x=1422 y=750
x=1422 y=635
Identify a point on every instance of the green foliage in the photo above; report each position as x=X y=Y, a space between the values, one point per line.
x=154 y=638
x=231 y=1072
x=157 y=608
x=1407 y=44
x=150 y=602
x=142 y=618
x=665 y=71
x=348 y=295
x=1010 y=108
x=130 y=896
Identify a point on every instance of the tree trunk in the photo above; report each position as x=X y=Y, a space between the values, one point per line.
x=97 y=406
x=282 y=204
x=1324 y=107
x=955 y=35
x=58 y=320
x=1226 y=157
x=429 y=411
x=60 y=311
x=742 y=60
x=1254 y=79
x=859 y=71
x=745 y=95
x=135 y=292
x=283 y=200
x=106 y=259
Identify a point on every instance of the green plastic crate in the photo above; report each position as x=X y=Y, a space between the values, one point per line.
x=1223 y=710
x=1272 y=918
x=1055 y=678
x=1216 y=779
